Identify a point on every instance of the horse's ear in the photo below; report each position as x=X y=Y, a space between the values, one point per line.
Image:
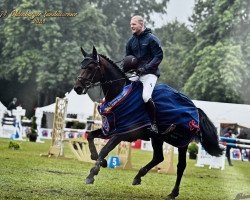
x=94 y=53
x=83 y=52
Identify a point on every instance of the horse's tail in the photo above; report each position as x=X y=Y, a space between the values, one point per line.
x=208 y=135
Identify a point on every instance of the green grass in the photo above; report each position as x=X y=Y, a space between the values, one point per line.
x=24 y=174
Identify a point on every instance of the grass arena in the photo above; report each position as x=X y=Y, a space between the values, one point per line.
x=27 y=175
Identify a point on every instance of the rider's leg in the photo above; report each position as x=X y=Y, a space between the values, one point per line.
x=150 y=107
x=149 y=81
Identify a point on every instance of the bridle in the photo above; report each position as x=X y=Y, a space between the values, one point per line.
x=88 y=82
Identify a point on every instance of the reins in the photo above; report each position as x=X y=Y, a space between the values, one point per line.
x=111 y=81
x=106 y=82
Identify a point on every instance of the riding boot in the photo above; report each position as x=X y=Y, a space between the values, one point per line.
x=150 y=107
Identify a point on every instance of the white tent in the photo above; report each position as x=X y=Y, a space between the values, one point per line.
x=226 y=112
x=77 y=104
x=2 y=107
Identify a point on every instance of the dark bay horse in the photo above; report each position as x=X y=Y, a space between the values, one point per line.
x=178 y=119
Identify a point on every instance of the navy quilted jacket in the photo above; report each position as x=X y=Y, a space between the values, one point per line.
x=147 y=49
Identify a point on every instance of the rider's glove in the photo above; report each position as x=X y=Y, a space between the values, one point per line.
x=141 y=70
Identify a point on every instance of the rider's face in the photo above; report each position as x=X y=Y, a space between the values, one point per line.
x=136 y=27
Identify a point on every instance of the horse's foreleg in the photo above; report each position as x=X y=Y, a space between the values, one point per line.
x=157 y=158
x=180 y=169
x=91 y=136
x=111 y=144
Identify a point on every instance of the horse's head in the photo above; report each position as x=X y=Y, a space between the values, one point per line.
x=90 y=72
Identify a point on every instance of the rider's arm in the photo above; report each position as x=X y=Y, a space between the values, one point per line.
x=128 y=49
x=157 y=53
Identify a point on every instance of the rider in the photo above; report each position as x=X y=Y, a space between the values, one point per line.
x=146 y=47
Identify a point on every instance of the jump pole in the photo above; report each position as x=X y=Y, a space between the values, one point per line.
x=243 y=146
x=234 y=140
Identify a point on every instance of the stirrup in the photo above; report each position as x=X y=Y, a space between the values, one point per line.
x=169 y=129
x=153 y=129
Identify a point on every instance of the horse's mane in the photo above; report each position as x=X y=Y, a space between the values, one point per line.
x=114 y=64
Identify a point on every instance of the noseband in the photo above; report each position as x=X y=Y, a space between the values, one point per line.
x=88 y=82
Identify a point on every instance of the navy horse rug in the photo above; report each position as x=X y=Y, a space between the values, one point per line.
x=177 y=116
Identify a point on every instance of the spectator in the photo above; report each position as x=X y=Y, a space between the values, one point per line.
x=12 y=105
x=230 y=133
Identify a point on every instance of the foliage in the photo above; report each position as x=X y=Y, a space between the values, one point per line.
x=177 y=40
x=219 y=71
x=245 y=92
x=193 y=148
x=14 y=145
x=216 y=21
x=217 y=63
x=51 y=52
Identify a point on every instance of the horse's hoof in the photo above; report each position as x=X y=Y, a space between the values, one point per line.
x=104 y=163
x=136 y=182
x=170 y=197
x=89 y=180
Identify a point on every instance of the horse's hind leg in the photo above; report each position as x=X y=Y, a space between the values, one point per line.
x=157 y=158
x=180 y=169
x=111 y=144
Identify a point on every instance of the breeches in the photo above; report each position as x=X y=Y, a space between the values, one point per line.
x=148 y=81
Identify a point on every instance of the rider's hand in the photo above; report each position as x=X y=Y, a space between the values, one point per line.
x=141 y=70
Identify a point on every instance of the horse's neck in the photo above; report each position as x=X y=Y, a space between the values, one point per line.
x=114 y=83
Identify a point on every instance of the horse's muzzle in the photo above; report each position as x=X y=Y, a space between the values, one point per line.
x=78 y=90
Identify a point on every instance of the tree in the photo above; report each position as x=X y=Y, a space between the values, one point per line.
x=245 y=92
x=216 y=23
x=218 y=74
x=48 y=55
x=177 y=40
